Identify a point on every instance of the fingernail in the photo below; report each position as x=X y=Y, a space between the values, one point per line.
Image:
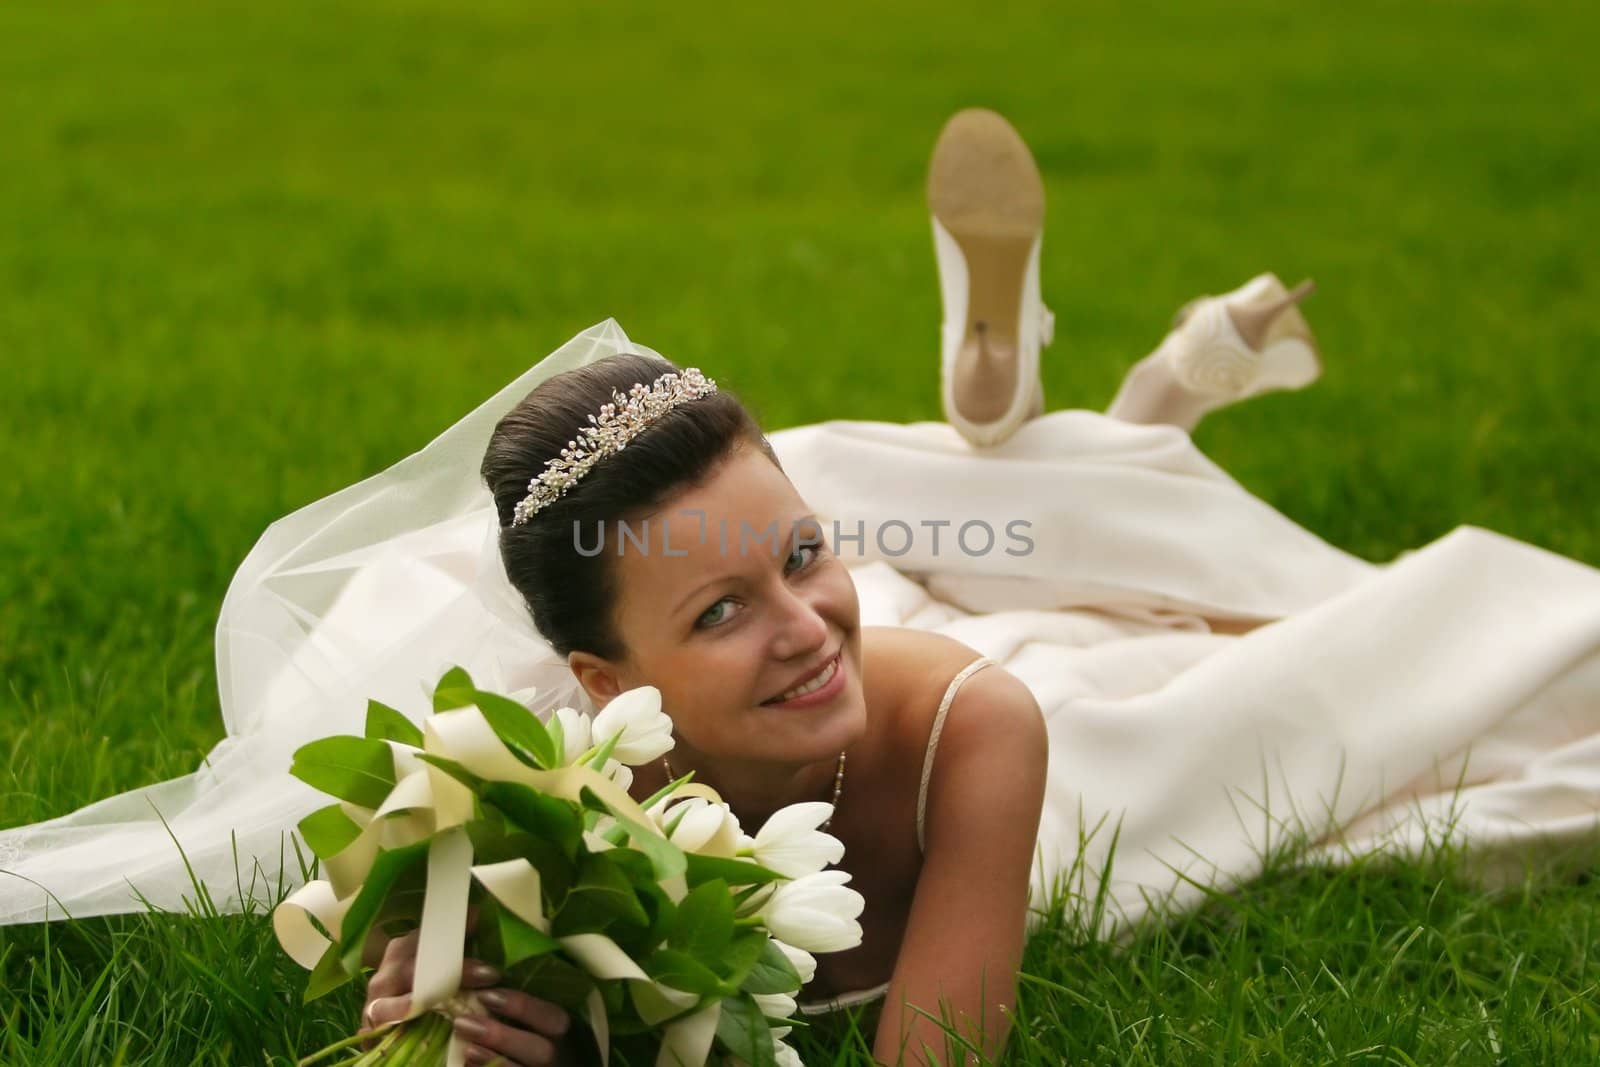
x=493 y=998
x=482 y=972
x=471 y=1027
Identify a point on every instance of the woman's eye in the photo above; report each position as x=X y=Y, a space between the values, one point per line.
x=717 y=613
x=811 y=548
x=705 y=618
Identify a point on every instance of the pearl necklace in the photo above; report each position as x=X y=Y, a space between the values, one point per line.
x=838 y=784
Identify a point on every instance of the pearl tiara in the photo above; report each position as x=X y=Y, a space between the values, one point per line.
x=608 y=433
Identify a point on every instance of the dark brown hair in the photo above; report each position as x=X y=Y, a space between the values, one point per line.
x=572 y=596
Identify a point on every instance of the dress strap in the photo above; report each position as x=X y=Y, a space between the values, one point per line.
x=933 y=737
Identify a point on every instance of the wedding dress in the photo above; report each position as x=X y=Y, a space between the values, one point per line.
x=1458 y=684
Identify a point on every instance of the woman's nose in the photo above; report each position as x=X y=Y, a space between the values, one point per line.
x=802 y=628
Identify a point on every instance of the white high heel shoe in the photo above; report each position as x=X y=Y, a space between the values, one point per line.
x=1240 y=344
x=987 y=203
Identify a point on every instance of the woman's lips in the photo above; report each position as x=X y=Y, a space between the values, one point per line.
x=822 y=694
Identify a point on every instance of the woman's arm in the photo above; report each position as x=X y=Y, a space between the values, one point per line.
x=968 y=923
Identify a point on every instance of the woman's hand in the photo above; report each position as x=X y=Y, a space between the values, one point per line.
x=523 y=1030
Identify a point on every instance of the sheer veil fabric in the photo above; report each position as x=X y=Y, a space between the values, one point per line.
x=370 y=592
x=1458 y=685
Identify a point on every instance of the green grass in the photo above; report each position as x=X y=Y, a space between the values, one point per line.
x=249 y=255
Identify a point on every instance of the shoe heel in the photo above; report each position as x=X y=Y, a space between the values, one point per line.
x=1256 y=322
x=1272 y=324
x=987 y=200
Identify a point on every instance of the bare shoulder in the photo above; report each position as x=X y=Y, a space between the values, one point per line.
x=903 y=666
x=990 y=766
x=909 y=670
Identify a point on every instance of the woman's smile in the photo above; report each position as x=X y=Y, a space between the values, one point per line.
x=819 y=688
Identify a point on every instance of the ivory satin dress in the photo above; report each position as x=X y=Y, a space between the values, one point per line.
x=1373 y=702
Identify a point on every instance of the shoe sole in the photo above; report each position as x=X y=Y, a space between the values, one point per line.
x=985 y=189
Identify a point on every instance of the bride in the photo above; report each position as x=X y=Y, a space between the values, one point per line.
x=994 y=643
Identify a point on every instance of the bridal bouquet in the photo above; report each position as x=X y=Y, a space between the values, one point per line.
x=677 y=937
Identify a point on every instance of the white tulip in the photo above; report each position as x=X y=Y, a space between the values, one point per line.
x=756 y=901
x=636 y=715
x=619 y=773
x=575 y=735
x=775 y=1005
x=784 y=1055
x=816 y=912
x=791 y=844
x=657 y=808
x=706 y=828
x=804 y=963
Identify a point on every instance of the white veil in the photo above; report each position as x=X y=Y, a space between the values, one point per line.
x=370 y=592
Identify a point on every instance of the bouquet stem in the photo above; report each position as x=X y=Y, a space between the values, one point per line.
x=421 y=1042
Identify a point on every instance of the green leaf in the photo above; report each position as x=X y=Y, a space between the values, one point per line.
x=673 y=823
x=386 y=724
x=740 y=956
x=520 y=941
x=598 y=758
x=630 y=1024
x=682 y=971
x=590 y=800
x=453 y=769
x=519 y=728
x=602 y=895
x=744 y=1031
x=661 y=910
x=403 y=906
x=634 y=864
x=664 y=790
x=704 y=923
x=454 y=690
x=772 y=972
x=490 y=837
x=387 y=869
x=615 y=995
x=558 y=736
x=540 y=814
x=557 y=871
x=356 y=769
x=329 y=974
x=666 y=858
x=329 y=831
x=734 y=872
x=555 y=979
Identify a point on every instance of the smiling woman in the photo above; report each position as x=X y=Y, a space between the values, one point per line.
x=751 y=630
x=724 y=626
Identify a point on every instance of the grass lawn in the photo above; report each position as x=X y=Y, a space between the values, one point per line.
x=252 y=254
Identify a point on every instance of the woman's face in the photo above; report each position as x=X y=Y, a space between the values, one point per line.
x=729 y=596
